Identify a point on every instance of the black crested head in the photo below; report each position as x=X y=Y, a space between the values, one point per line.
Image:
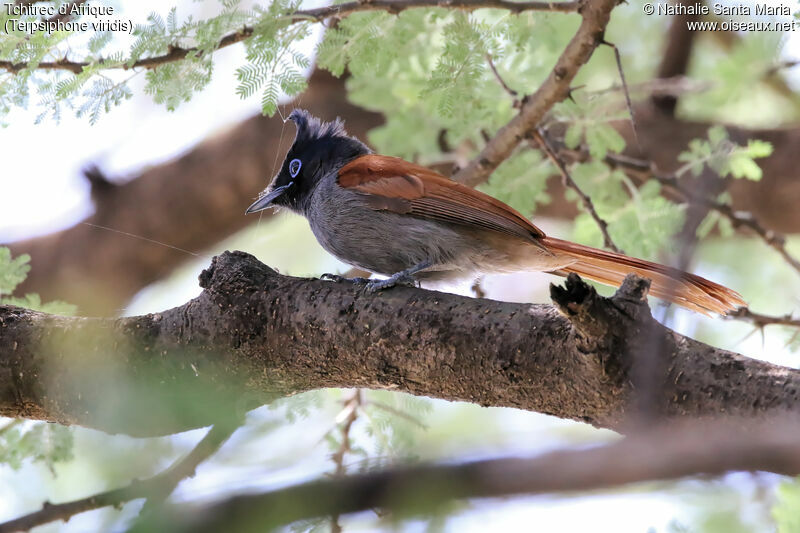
x=319 y=149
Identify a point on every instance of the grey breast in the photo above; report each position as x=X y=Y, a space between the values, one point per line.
x=380 y=241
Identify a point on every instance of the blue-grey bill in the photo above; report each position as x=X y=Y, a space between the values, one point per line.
x=265 y=201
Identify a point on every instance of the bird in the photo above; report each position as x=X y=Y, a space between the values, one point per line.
x=394 y=218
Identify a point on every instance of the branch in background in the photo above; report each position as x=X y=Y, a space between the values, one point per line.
x=668 y=452
x=156 y=488
x=555 y=88
x=177 y=53
x=569 y=183
x=254 y=335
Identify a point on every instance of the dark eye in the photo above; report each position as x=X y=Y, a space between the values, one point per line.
x=294 y=167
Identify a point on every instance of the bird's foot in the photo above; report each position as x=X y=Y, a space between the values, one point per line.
x=401 y=278
x=341 y=279
x=404 y=277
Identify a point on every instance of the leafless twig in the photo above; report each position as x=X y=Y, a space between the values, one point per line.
x=625 y=91
x=397 y=412
x=350 y=413
x=761 y=320
x=502 y=82
x=541 y=139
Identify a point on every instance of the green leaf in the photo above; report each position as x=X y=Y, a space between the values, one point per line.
x=724 y=157
x=603 y=138
x=34 y=302
x=12 y=271
x=757 y=148
x=741 y=165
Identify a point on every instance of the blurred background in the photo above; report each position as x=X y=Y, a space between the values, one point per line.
x=120 y=216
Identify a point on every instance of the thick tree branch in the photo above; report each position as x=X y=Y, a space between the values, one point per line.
x=554 y=89
x=254 y=335
x=157 y=487
x=666 y=453
x=177 y=53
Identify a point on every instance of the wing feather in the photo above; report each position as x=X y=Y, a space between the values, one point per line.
x=392 y=184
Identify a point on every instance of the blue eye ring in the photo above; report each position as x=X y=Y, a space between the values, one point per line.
x=294 y=167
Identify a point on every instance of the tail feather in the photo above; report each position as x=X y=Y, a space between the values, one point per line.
x=682 y=288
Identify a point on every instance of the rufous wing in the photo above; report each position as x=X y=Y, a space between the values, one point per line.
x=392 y=184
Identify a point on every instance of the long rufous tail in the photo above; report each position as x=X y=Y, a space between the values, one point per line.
x=682 y=288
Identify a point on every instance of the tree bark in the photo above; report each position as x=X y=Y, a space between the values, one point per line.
x=254 y=335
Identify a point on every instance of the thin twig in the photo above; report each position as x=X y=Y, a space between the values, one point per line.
x=625 y=90
x=646 y=170
x=514 y=94
x=156 y=488
x=570 y=183
x=176 y=53
x=352 y=406
x=761 y=320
